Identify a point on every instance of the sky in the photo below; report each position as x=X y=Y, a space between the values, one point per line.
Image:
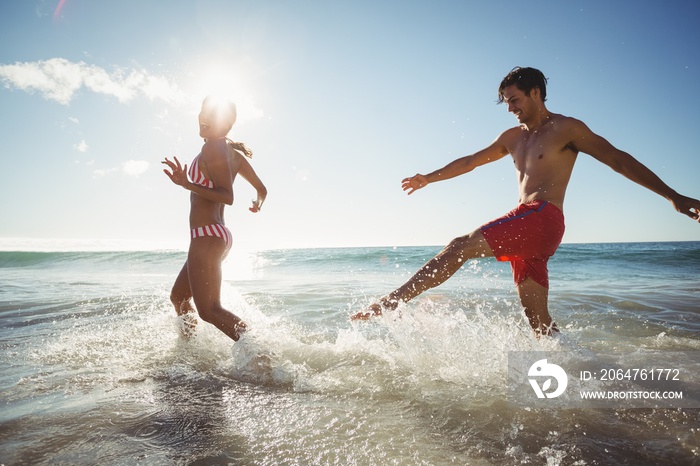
x=339 y=102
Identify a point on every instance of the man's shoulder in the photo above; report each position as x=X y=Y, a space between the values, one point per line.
x=511 y=132
x=565 y=120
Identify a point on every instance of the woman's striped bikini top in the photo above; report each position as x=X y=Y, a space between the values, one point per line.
x=197 y=176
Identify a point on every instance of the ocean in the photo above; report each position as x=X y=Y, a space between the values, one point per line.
x=94 y=372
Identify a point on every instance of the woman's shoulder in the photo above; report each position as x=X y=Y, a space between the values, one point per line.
x=215 y=155
x=214 y=144
x=214 y=148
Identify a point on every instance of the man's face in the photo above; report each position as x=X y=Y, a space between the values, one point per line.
x=519 y=104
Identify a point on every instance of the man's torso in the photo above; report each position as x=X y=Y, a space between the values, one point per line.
x=544 y=159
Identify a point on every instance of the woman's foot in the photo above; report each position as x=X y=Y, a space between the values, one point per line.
x=188 y=325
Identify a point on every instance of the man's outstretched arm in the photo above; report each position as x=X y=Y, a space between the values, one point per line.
x=462 y=165
x=599 y=148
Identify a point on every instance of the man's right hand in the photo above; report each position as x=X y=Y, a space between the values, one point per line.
x=414 y=183
x=687 y=206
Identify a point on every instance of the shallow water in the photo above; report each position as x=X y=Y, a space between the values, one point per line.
x=94 y=370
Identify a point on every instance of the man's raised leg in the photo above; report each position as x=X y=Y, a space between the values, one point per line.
x=435 y=272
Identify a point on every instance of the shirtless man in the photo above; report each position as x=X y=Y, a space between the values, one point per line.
x=544 y=148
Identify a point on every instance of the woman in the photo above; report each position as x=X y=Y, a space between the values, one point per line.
x=211 y=177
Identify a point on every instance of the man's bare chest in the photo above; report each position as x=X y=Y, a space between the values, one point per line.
x=541 y=148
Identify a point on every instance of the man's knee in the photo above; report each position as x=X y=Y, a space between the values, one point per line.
x=469 y=246
x=457 y=245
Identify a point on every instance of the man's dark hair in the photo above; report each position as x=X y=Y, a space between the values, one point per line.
x=526 y=79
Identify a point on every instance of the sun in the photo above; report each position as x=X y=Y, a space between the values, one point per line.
x=222 y=81
x=227 y=82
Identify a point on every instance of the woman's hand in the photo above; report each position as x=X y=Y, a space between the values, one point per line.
x=178 y=173
x=257 y=204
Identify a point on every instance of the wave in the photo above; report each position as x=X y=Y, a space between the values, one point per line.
x=680 y=256
x=664 y=253
x=670 y=253
x=347 y=256
x=21 y=259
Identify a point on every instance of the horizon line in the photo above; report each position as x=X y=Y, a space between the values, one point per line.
x=18 y=244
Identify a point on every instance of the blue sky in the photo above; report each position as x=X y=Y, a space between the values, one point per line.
x=339 y=101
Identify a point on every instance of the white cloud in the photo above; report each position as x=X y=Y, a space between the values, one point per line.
x=135 y=167
x=43 y=8
x=100 y=173
x=59 y=79
x=247 y=109
x=81 y=146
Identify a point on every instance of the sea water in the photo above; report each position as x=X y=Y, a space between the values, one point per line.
x=93 y=370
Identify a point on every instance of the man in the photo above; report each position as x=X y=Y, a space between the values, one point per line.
x=544 y=148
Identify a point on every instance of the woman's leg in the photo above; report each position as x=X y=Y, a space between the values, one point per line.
x=204 y=273
x=181 y=297
x=181 y=294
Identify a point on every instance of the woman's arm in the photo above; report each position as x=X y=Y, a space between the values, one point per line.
x=216 y=166
x=215 y=161
x=248 y=173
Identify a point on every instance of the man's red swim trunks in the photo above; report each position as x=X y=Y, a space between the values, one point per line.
x=527 y=236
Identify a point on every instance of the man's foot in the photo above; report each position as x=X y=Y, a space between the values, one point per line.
x=239 y=329
x=376 y=309
x=550 y=331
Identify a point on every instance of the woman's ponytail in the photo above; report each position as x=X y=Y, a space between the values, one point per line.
x=239 y=146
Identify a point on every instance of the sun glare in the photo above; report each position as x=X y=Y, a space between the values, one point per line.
x=222 y=82
x=226 y=82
